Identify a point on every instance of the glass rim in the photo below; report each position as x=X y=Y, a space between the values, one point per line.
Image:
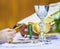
x=41 y=5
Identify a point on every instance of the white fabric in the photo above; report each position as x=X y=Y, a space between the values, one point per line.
x=31 y=18
x=55 y=44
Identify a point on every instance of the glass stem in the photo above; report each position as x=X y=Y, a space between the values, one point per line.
x=41 y=37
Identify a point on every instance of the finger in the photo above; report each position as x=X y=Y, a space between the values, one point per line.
x=6 y=29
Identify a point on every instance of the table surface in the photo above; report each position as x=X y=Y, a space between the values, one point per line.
x=53 y=44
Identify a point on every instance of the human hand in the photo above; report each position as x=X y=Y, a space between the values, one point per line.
x=6 y=35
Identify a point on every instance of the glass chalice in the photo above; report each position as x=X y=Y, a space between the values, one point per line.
x=42 y=12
